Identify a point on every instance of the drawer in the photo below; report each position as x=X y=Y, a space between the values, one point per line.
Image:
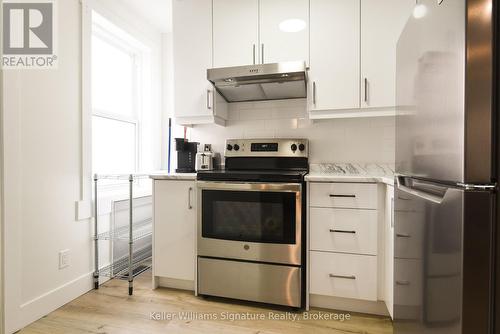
x=408 y=234
x=343 y=275
x=407 y=282
x=343 y=230
x=343 y=195
x=273 y=284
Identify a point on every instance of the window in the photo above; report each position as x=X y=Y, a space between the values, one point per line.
x=118 y=65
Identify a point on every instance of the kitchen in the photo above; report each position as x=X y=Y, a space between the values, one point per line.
x=254 y=165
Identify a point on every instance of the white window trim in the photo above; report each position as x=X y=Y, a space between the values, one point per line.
x=84 y=205
x=136 y=53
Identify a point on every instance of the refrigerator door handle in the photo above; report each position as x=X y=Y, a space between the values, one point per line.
x=416 y=188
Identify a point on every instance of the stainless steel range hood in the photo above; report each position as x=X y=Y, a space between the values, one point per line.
x=287 y=80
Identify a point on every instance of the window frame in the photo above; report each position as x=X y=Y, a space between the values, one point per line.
x=137 y=54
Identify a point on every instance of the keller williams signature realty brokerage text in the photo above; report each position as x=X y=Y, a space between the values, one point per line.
x=244 y=316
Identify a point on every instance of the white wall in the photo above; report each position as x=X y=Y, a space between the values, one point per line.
x=2 y=307
x=337 y=140
x=42 y=179
x=42 y=182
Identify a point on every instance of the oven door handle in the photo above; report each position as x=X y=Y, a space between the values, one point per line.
x=249 y=186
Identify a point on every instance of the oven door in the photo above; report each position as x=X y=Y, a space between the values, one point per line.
x=250 y=221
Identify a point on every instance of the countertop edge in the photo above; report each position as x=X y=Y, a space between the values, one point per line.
x=309 y=178
x=179 y=176
x=349 y=178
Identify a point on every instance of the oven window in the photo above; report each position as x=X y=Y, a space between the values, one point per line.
x=249 y=216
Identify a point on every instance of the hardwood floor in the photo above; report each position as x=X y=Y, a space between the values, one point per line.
x=111 y=310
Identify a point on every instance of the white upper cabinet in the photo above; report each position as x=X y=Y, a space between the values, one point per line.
x=335 y=52
x=195 y=99
x=284 y=30
x=349 y=45
x=382 y=21
x=236 y=32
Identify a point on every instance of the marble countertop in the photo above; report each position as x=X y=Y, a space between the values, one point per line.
x=351 y=172
x=163 y=175
x=325 y=172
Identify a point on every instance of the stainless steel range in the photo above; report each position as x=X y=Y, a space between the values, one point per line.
x=251 y=223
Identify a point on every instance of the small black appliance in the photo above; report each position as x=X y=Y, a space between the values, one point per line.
x=186 y=155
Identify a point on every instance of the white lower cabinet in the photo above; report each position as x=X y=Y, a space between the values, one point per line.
x=351 y=246
x=174 y=229
x=343 y=275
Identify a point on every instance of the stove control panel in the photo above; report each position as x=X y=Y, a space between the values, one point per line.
x=267 y=148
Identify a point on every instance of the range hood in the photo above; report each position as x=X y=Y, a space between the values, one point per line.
x=277 y=81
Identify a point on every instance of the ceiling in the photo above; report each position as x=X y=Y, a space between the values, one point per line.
x=157 y=12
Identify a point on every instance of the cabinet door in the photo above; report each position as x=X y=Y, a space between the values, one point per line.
x=192 y=47
x=389 y=250
x=236 y=32
x=382 y=22
x=284 y=31
x=174 y=229
x=334 y=73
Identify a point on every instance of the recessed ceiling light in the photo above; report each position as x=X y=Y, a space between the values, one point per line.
x=292 y=25
x=419 y=11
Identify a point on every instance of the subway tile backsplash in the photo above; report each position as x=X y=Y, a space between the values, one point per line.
x=337 y=140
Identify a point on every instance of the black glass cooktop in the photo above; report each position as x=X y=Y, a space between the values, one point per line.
x=252 y=175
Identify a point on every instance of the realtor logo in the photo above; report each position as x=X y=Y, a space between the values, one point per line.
x=28 y=34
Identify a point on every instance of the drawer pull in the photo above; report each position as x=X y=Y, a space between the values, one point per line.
x=342 y=276
x=403 y=235
x=342 y=231
x=403 y=282
x=343 y=196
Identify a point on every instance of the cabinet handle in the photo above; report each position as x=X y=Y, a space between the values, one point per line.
x=262 y=53
x=254 y=54
x=403 y=235
x=342 y=231
x=392 y=212
x=314 y=92
x=342 y=276
x=189 y=198
x=343 y=196
x=403 y=282
x=208 y=99
x=366 y=90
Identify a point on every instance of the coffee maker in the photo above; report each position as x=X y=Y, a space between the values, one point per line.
x=186 y=155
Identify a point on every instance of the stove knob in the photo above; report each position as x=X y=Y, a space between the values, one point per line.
x=236 y=147
x=294 y=147
x=229 y=147
x=302 y=147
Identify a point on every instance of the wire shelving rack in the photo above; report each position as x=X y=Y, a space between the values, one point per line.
x=137 y=261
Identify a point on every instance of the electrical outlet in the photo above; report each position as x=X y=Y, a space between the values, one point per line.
x=63 y=258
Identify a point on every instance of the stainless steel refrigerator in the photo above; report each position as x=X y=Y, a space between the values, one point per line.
x=446 y=165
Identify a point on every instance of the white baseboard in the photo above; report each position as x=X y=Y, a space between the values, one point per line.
x=52 y=300
x=347 y=304
x=175 y=283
